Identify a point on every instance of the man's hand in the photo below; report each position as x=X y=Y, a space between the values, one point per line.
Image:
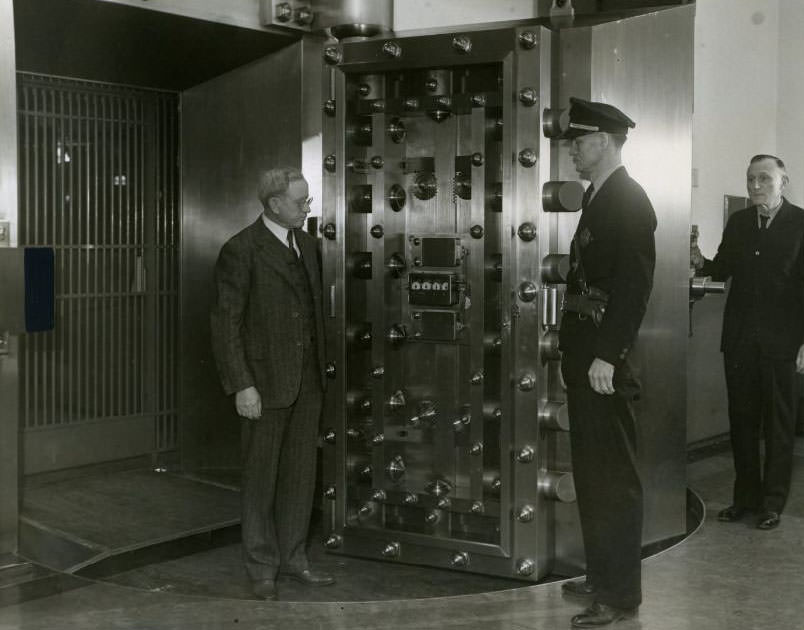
x=601 y=376
x=248 y=403
x=800 y=360
x=696 y=257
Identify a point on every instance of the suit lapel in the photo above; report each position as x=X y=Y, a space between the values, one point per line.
x=783 y=215
x=271 y=252
x=309 y=256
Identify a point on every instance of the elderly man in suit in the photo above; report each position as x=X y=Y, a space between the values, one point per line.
x=611 y=277
x=268 y=341
x=762 y=251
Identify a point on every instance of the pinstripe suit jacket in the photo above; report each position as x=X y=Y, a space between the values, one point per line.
x=256 y=321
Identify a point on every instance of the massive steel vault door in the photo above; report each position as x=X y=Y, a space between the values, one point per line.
x=445 y=434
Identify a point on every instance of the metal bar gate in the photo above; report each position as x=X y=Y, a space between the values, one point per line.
x=98 y=181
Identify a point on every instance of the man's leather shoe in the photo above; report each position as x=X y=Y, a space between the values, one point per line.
x=769 y=520
x=731 y=514
x=601 y=615
x=309 y=577
x=264 y=589
x=582 y=588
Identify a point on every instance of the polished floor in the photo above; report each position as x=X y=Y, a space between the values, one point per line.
x=724 y=576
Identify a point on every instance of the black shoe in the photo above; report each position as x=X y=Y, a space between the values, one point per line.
x=264 y=589
x=731 y=514
x=601 y=615
x=308 y=577
x=769 y=520
x=581 y=588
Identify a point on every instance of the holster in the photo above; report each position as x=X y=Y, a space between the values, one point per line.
x=591 y=304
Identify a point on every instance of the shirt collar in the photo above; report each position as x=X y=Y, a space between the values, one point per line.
x=771 y=212
x=601 y=179
x=278 y=231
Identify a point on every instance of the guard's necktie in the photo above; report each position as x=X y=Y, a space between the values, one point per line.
x=292 y=248
x=763 y=221
x=587 y=195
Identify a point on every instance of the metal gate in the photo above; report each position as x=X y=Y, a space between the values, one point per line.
x=98 y=182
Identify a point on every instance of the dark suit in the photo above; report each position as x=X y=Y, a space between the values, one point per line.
x=268 y=332
x=763 y=328
x=615 y=237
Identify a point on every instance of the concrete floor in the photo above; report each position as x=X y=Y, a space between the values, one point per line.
x=725 y=576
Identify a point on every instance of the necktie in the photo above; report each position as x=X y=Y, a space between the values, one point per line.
x=587 y=195
x=763 y=221
x=290 y=244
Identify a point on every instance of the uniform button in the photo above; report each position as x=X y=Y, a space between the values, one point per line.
x=298 y=343
x=294 y=315
x=756 y=253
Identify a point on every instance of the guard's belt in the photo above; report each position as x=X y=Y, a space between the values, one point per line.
x=591 y=304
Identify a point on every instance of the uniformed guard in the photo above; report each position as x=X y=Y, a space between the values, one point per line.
x=612 y=262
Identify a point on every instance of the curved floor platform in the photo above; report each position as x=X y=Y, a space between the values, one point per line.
x=724 y=576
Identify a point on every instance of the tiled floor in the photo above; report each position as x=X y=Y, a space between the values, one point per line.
x=725 y=576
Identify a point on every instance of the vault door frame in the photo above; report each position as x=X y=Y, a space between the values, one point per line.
x=525 y=546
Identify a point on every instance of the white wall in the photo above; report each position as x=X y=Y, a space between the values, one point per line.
x=790 y=111
x=736 y=83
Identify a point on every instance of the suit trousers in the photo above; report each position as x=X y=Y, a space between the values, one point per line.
x=608 y=488
x=279 y=467
x=762 y=400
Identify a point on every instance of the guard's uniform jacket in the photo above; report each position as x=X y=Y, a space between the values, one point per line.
x=616 y=238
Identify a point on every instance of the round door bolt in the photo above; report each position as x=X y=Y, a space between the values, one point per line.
x=333 y=542
x=527 y=231
x=525 y=566
x=462 y=44
x=392 y=49
x=528 y=158
x=528 y=96
x=332 y=55
x=528 y=40
x=283 y=12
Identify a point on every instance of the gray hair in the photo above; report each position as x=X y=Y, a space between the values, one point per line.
x=765 y=156
x=275 y=182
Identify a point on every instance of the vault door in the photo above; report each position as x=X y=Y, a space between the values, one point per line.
x=435 y=442
x=99 y=183
x=233 y=128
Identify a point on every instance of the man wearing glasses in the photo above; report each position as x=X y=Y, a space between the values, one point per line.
x=268 y=341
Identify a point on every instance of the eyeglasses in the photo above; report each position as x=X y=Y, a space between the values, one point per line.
x=302 y=203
